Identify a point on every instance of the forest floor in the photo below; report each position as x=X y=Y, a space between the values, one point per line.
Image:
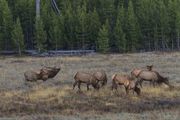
x=54 y=99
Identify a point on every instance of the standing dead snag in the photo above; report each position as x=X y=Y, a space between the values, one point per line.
x=88 y=79
x=126 y=81
x=101 y=77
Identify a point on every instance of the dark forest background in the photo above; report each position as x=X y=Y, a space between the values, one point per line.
x=102 y=25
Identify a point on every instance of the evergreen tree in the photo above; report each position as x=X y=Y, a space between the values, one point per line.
x=70 y=40
x=25 y=10
x=40 y=35
x=18 y=37
x=103 y=38
x=153 y=25
x=156 y=38
x=146 y=24
x=94 y=26
x=56 y=32
x=164 y=24
x=6 y=26
x=119 y=3
x=118 y=32
x=132 y=29
x=47 y=18
x=177 y=28
x=145 y=12
x=82 y=27
x=107 y=11
x=172 y=8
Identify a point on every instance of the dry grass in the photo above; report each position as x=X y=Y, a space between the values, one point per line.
x=55 y=97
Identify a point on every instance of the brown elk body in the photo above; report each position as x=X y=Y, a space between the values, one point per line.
x=88 y=79
x=33 y=75
x=101 y=77
x=135 y=72
x=126 y=81
x=42 y=74
x=151 y=76
x=51 y=72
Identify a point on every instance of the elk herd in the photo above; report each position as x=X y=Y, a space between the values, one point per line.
x=98 y=79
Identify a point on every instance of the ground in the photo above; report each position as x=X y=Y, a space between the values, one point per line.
x=54 y=99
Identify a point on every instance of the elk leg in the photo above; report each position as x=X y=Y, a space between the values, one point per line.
x=127 y=90
x=79 y=85
x=114 y=85
x=87 y=87
x=102 y=83
x=74 y=85
x=153 y=83
x=98 y=83
x=139 y=81
x=137 y=90
x=133 y=90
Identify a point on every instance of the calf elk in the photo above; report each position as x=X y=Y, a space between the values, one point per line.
x=126 y=81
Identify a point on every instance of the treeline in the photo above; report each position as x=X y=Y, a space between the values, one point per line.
x=103 y=25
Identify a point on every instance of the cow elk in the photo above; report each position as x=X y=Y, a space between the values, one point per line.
x=101 y=77
x=86 y=78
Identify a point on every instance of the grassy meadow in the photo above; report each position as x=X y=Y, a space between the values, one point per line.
x=54 y=99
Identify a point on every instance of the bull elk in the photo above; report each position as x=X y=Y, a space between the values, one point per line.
x=33 y=75
x=51 y=72
x=42 y=74
x=88 y=79
x=126 y=81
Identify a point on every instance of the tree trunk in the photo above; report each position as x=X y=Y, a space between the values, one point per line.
x=172 y=44
x=155 y=45
x=162 y=40
x=149 y=43
x=38 y=8
x=166 y=45
x=20 y=51
x=178 y=42
x=56 y=44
